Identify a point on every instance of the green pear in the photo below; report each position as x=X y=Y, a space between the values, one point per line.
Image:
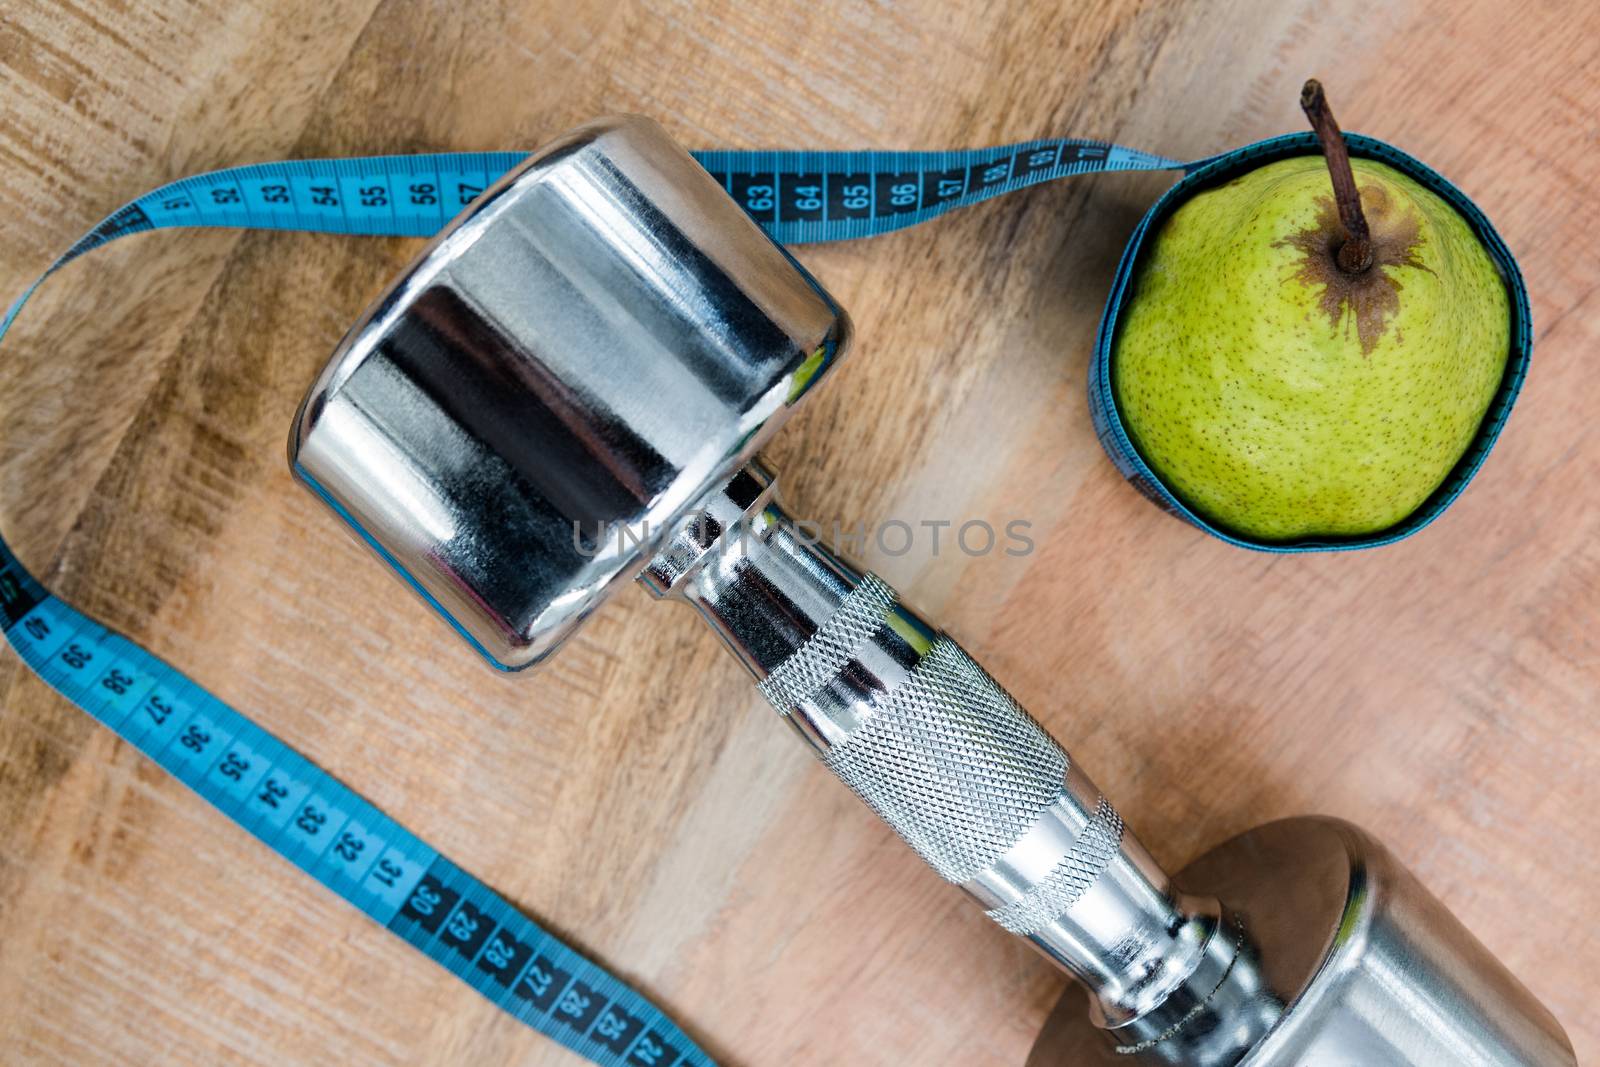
x=1280 y=393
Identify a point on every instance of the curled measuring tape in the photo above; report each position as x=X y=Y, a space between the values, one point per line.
x=330 y=831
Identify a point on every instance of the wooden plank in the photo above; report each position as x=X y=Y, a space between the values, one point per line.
x=1441 y=692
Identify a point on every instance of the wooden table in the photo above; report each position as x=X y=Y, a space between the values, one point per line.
x=637 y=796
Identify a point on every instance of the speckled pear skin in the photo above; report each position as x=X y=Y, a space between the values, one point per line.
x=1283 y=399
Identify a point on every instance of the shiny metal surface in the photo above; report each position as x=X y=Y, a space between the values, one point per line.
x=949 y=760
x=1355 y=965
x=598 y=341
x=605 y=339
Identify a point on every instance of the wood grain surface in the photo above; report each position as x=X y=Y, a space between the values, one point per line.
x=637 y=796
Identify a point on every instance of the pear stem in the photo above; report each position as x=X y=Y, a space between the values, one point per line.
x=1355 y=255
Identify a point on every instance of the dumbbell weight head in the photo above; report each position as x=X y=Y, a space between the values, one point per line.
x=599 y=341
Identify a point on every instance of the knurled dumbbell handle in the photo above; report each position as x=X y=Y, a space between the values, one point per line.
x=944 y=755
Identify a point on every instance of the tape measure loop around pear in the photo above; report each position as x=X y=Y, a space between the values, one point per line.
x=1220 y=169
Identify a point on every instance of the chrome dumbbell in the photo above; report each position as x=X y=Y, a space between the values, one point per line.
x=568 y=390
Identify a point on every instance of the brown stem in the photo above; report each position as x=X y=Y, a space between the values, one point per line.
x=1355 y=255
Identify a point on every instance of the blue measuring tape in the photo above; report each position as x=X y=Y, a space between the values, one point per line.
x=295 y=807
